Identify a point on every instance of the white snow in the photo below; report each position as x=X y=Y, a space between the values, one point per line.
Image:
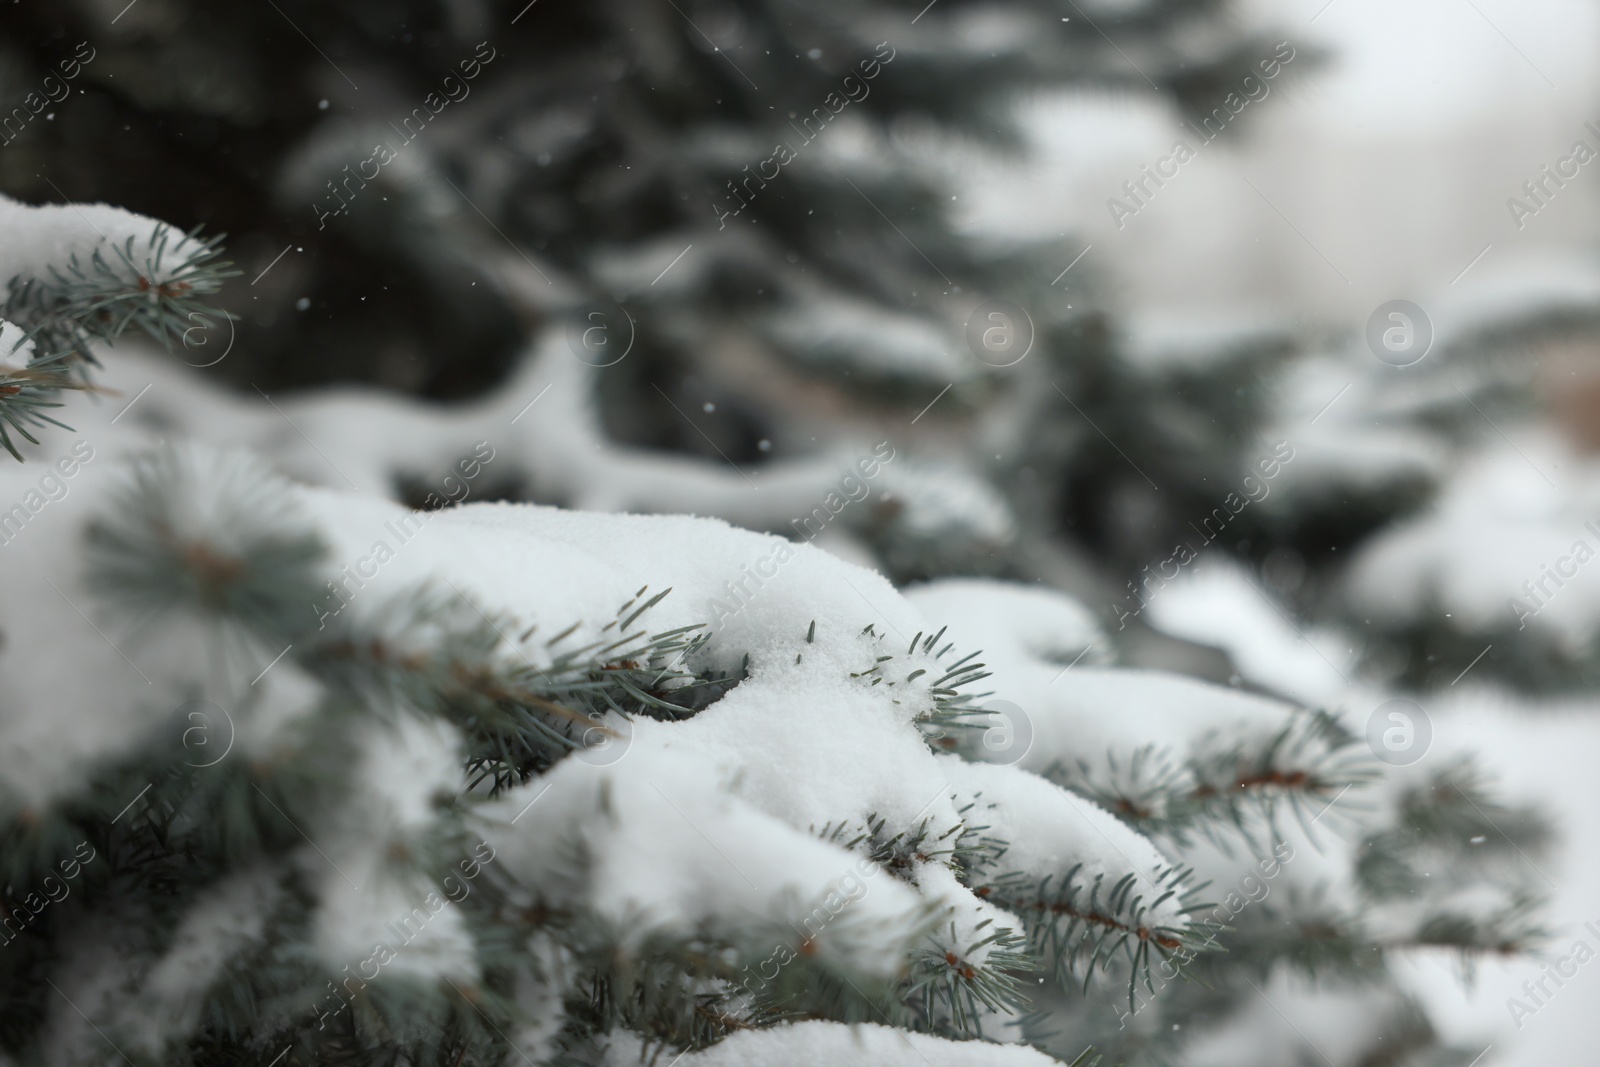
x=1217 y=603
x=662 y=846
x=1515 y=511
x=711 y=820
x=1157 y=342
x=1040 y=624
x=542 y=427
x=228 y=921
x=1287 y=1020
x=1353 y=424
x=862 y=1045
x=368 y=898
x=42 y=236
x=846 y=331
x=16 y=350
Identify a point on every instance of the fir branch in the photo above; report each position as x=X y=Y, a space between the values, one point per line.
x=1078 y=923
x=26 y=393
x=950 y=712
x=1319 y=941
x=155 y=285
x=952 y=994
x=900 y=853
x=1449 y=831
x=519 y=717
x=214 y=534
x=1300 y=770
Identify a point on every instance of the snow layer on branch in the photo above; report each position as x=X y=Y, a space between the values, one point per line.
x=842 y=331
x=70 y=698
x=802 y=742
x=1292 y=1022
x=538 y=998
x=1081 y=724
x=15 y=350
x=550 y=567
x=631 y=269
x=1048 y=828
x=1526 y=288
x=148 y=1001
x=713 y=816
x=857 y=753
x=1160 y=342
x=1085 y=711
x=366 y=899
x=84 y=683
x=1350 y=429
x=942 y=502
x=541 y=427
x=809 y=1044
x=806 y=738
x=1094 y=711
x=1216 y=602
x=1011 y=622
x=226 y=922
x=1496 y=526
x=50 y=235
x=665 y=848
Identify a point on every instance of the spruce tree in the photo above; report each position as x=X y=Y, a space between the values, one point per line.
x=509 y=781
x=338 y=781
x=823 y=286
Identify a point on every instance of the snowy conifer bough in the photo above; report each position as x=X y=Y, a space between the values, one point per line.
x=75 y=274
x=296 y=775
